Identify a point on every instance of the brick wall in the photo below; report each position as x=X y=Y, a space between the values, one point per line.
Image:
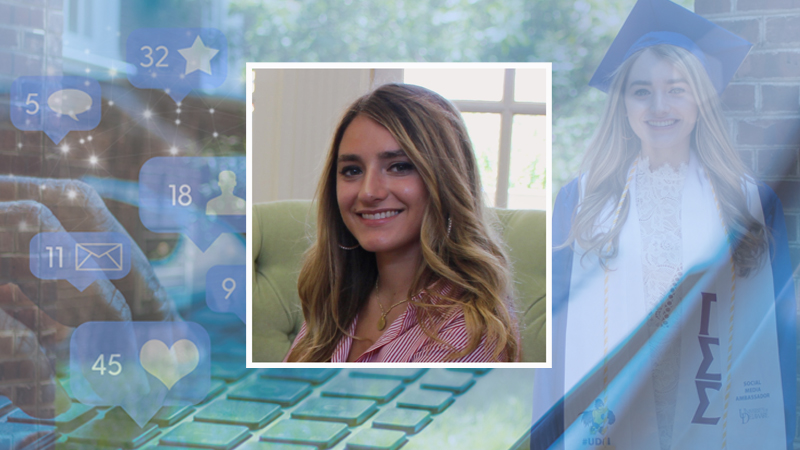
x=763 y=101
x=30 y=44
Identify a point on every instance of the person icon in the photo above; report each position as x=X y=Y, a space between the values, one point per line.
x=226 y=204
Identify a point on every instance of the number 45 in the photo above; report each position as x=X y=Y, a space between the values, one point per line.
x=100 y=367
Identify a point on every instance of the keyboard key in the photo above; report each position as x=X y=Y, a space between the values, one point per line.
x=263 y=445
x=432 y=401
x=378 y=390
x=77 y=415
x=313 y=376
x=217 y=387
x=233 y=412
x=5 y=406
x=409 y=421
x=13 y=435
x=351 y=412
x=404 y=375
x=61 y=445
x=475 y=370
x=228 y=371
x=115 y=429
x=168 y=416
x=163 y=447
x=443 y=380
x=375 y=439
x=319 y=434
x=284 y=393
x=206 y=435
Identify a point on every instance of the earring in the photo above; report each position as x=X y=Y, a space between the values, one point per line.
x=449 y=226
x=349 y=248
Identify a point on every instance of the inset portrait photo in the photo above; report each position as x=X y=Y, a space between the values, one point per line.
x=399 y=214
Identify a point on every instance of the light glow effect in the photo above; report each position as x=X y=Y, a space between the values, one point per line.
x=147 y=114
x=93 y=160
x=64 y=148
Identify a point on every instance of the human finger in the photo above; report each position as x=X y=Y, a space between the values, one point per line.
x=57 y=298
x=27 y=377
x=78 y=207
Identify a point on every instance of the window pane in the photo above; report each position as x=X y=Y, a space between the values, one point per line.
x=526 y=181
x=484 y=131
x=460 y=84
x=530 y=84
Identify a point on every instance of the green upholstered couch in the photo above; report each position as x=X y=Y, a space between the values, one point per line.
x=283 y=230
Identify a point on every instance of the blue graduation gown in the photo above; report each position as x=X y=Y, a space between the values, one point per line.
x=551 y=426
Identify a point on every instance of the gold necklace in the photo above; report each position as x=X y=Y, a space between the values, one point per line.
x=384 y=313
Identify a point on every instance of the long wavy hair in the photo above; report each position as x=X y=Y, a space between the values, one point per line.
x=614 y=147
x=334 y=283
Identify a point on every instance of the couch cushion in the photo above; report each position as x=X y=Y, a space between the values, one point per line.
x=283 y=230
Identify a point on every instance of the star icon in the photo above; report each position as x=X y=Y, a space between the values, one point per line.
x=198 y=57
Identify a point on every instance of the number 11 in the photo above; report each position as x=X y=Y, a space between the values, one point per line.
x=60 y=256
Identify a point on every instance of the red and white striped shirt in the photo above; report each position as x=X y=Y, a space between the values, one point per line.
x=405 y=341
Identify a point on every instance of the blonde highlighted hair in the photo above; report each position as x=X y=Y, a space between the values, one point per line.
x=334 y=283
x=614 y=147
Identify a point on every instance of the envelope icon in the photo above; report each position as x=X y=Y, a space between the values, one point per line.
x=95 y=256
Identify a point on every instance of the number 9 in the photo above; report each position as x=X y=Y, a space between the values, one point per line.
x=228 y=289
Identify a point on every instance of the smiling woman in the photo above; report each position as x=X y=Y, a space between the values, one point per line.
x=670 y=259
x=406 y=267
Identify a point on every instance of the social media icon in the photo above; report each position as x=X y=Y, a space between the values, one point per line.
x=200 y=197
x=177 y=59
x=101 y=257
x=171 y=364
x=55 y=105
x=81 y=257
x=70 y=102
x=225 y=289
x=140 y=366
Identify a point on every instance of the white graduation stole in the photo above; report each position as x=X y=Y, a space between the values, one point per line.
x=729 y=391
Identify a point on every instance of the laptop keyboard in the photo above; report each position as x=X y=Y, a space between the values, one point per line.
x=272 y=409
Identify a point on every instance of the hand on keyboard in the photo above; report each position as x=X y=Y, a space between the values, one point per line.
x=35 y=314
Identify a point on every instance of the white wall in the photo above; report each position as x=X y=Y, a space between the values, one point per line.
x=294 y=117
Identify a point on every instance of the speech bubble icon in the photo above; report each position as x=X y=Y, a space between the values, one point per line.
x=225 y=289
x=169 y=364
x=70 y=102
x=177 y=59
x=55 y=105
x=140 y=366
x=81 y=257
x=175 y=194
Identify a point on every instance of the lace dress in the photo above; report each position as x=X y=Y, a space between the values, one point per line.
x=658 y=200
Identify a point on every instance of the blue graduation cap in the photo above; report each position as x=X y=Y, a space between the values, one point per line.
x=654 y=22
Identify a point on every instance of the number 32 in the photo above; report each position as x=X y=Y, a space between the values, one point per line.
x=149 y=56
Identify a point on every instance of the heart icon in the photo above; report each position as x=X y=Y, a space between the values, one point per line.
x=169 y=365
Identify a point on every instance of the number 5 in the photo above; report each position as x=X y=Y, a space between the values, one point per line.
x=111 y=362
x=35 y=103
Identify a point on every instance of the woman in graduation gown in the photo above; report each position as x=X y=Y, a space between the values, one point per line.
x=674 y=309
